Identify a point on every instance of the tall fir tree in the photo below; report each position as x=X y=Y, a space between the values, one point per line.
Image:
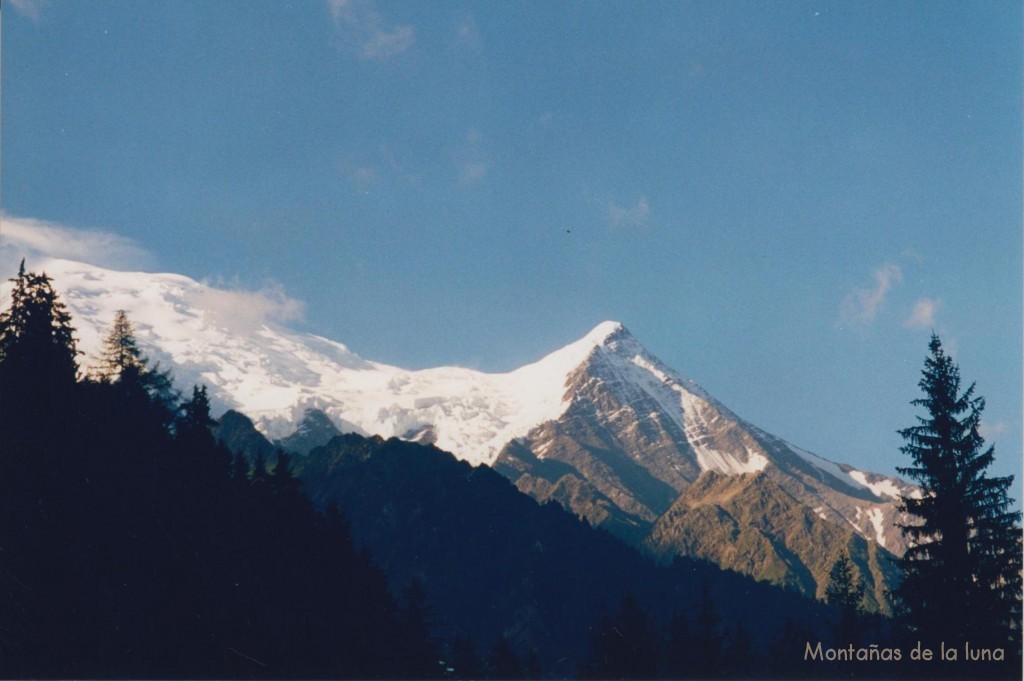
x=195 y=420
x=38 y=353
x=962 y=572
x=846 y=592
x=122 y=362
x=504 y=663
x=120 y=351
x=38 y=411
x=707 y=639
x=624 y=646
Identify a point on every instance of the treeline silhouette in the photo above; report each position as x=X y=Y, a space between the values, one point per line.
x=135 y=543
x=501 y=569
x=131 y=547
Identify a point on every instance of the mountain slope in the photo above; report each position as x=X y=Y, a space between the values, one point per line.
x=496 y=563
x=601 y=425
x=640 y=435
x=273 y=374
x=750 y=524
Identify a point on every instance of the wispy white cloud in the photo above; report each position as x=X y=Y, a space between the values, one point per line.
x=861 y=306
x=468 y=33
x=26 y=237
x=470 y=159
x=992 y=429
x=473 y=172
x=228 y=302
x=923 y=314
x=245 y=311
x=364 y=28
x=33 y=9
x=630 y=216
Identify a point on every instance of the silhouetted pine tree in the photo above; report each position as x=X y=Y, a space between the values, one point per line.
x=38 y=354
x=119 y=352
x=146 y=393
x=463 y=660
x=532 y=669
x=419 y=654
x=258 y=476
x=625 y=646
x=707 y=638
x=504 y=663
x=127 y=550
x=194 y=435
x=678 y=657
x=38 y=370
x=239 y=469
x=847 y=594
x=962 y=572
x=741 y=658
x=786 y=651
x=283 y=483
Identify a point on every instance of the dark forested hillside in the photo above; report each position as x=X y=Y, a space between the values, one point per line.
x=140 y=538
x=130 y=546
x=496 y=565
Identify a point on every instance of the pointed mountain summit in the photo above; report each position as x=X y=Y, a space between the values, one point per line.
x=315 y=429
x=600 y=425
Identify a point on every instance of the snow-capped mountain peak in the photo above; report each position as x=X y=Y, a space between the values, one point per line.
x=632 y=428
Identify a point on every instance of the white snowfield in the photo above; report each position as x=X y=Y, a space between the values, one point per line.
x=273 y=374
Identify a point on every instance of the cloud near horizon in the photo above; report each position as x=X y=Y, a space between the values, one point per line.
x=363 y=27
x=30 y=238
x=860 y=307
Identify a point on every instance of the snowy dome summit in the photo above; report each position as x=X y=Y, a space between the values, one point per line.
x=273 y=374
x=603 y=399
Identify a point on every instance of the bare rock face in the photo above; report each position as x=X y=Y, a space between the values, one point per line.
x=315 y=429
x=600 y=425
x=655 y=460
x=750 y=524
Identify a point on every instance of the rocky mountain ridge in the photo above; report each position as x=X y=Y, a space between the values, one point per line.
x=600 y=425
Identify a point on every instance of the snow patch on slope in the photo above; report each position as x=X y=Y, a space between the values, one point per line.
x=875 y=516
x=688 y=406
x=882 y=488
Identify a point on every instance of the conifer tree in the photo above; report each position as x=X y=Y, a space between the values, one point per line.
x=122 y=362
x=679 y=653
x=707 y=638
x=38 y=355
x=625 y=646
x=283 y=482
x=532 y=669
x=239 y=469
x=120 y=351
x=195 y=420
x=962 y=572
x=38 y=393
x=504 y=663
x=847 y=594
x=420 y=655
x=741 y=658
x=465 y=664
x=258 y=474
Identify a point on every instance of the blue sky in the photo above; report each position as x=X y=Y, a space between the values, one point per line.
x=780 y=200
